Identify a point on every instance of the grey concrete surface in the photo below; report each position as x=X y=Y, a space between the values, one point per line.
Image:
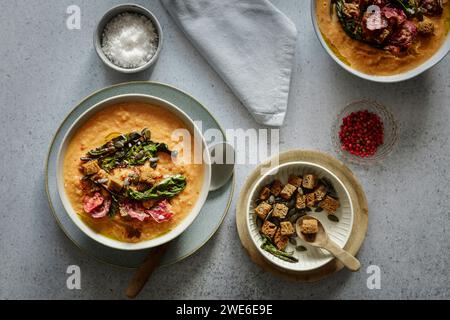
x=46 y=68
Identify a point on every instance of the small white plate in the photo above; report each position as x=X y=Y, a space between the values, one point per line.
x=339 y=232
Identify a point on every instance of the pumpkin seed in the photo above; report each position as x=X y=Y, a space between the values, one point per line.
x=333 y=218
x=269 y=215
x=330 y=188
x=319 y=209
x=134 y=136
x=293 y=219
x=300 y=191
x=293 y=241
x=276 y=222
x=308 y=209
x=147 y=134
x=119 y=144
x=301 y=248
x=139 y=155
x=271 y=199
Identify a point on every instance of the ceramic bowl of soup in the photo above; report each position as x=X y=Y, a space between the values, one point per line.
x=390 y=52
x=291 y=191
x=132 y=173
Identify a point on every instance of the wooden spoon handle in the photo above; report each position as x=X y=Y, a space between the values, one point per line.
x=346 y=258
x=144 y=272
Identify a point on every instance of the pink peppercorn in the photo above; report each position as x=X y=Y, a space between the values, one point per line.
x=361 y=133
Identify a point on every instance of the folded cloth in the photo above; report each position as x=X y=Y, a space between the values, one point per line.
x=249 y=43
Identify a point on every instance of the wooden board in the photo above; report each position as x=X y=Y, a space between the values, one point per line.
x=357 y=196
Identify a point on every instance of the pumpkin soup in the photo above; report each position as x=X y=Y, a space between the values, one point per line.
x=121 y=176
x=383 y=37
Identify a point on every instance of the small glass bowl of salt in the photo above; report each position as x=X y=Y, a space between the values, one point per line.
x=128 y=38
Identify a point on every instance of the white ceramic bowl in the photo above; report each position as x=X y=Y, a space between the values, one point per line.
x=435 y=59
x=339 y=232
x=179 y=228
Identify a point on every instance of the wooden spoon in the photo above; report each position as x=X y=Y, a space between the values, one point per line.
x=321 y=240
x=144 y=272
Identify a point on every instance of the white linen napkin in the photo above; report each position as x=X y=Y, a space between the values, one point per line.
x=249 y=43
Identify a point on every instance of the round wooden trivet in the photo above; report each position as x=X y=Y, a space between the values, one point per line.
x=358 y=199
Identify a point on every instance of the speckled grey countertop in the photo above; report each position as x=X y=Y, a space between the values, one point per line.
x=46 y=68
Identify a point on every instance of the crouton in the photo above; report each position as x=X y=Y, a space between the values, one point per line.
x=264 y=194
x=287 y=229
x=320 y=193
x=276 y=188
x=330 y=204
x=288 y=191
x=425 y=27
x=351 y=10
x=90 y=168
x=295 y=181
x=280 y=241
x=263 y=210
x=301 y=201
x=269 y=229
x=115 y=184
x=309 y=226
x=280 y=210
x=309 y=181
x=310 y=200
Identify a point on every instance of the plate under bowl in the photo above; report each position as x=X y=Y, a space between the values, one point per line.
x=312 y=258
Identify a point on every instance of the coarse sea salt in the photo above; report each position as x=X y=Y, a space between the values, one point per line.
x=129 y=40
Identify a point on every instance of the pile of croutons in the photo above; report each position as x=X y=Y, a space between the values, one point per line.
x=279 y=206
